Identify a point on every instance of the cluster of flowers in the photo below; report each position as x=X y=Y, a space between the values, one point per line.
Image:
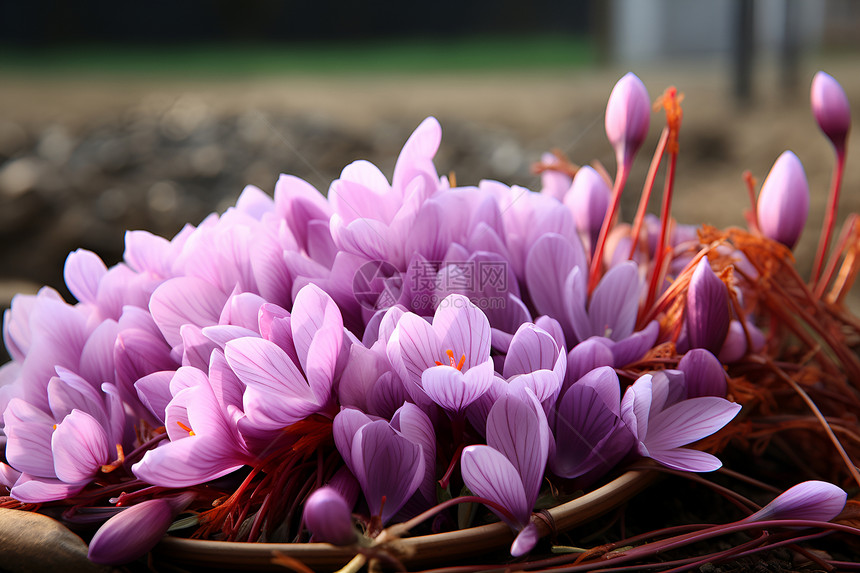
x=302 y=358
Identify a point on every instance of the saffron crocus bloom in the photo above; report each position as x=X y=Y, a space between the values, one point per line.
x=448 y=361
x=783 y=202
x=628 y=116
x=703 y=374
x=830 y=108
x=328 y=518
x=810 y=500
x=589 y=432
x=388 y=466
x=660 y=432
x=135 y=530
x=509 y=469
x=707 y=309
x=535 y=361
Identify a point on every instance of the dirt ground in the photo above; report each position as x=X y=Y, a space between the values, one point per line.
x=509 y=119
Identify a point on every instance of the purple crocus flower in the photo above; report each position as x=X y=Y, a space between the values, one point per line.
x=661 y=430
x=703 y=374
x=204 y=438
x=135 y=530
x=327 y=516
x=809 y=500
x=535 y=361
x=389 y=466
x=707 y=309
x=59 y=453
x=628 y=116
x=589 y=433
x=448 y=361
x=783 y=203
x=290 y=372
x=831 y=108
x=509 y=469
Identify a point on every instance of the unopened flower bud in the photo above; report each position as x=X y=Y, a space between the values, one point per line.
x=588 y=200
x=628 y=116
x=131 y=533
x=830 y=108
x=328 y=517
x=810 y=500
x=783 y=203
x=707 y=309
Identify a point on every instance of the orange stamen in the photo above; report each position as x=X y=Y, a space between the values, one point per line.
x=186 y=428
x=120 y=459
x=451 y=361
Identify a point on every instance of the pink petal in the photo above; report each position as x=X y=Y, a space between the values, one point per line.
x=33 y=489
x=517 y=427
x=185 y=300
x=454 y=390
x=689 y=421
x=548 y=264
x=525 y=540
x=615 y=302
x=489 y=474
x=28 y=432
x=386 y=465
x=263 y=365
x=531 y=349
x=686 y=460
x=82 y=272
x=80 y=447
x=463 y=328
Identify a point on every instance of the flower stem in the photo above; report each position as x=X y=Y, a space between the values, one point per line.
x=646 y=191
x=829 y=216
x=608 y=221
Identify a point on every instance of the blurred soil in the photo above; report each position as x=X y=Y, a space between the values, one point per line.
x=84 y=158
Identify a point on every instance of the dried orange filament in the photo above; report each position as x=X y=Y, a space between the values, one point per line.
x=452 y=364
x=671 y=102
x=120 y=459
x=186 y=428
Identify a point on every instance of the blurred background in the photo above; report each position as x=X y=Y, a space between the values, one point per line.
x=148 y=115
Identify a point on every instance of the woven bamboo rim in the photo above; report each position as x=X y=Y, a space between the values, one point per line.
x=421 y=550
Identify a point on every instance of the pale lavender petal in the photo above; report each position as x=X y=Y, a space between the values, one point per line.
x=386 y=465
x=548 y=263
x=34 y=489
x=532 y=348
x=262 y=364
x=82 y=272
x=416 y=426
x=415 y=344
x=386 y=395
x=97 y=363
x=517 y=427
x=28 y=432
x=185 y=300
x=686 y=460
x=455 y=390
x=575 y=297
x=583 y=424
x=344 y=428
x=689 y=421
x=667 y=387
x=154 y=392
x=8 y=475
x=80 y=447
x=145 y=252
x=636 y=406
x=317 y=328
x=489 y=474
x=635 y=346
x=704 y=374
x=811 y=500
x=615 y=302
x=463 y=328
x=525 y=540
x=707 y=308
x=585 y=357
x=225 y=385
x=416 y=157
x=188 y=461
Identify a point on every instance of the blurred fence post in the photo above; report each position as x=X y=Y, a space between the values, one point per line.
x=744 y=49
